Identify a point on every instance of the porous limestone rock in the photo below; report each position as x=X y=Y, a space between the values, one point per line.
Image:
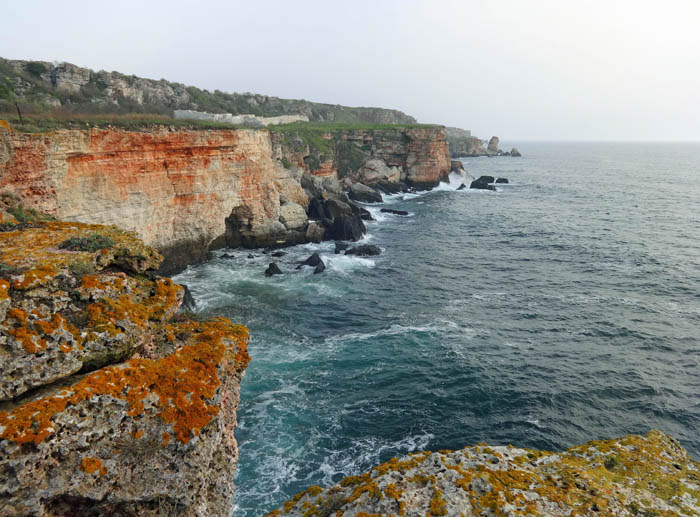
x=132 y=410
x=374 y=170
x=630 y=476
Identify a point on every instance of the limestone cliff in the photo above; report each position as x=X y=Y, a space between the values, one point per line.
x=631 y=476
x=110 y=404
x=185 y=191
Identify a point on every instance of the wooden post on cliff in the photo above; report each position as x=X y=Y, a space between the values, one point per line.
x=19 y=113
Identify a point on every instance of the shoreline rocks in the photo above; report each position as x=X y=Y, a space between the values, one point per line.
x=629 y=476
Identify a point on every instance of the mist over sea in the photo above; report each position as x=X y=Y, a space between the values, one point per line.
x=563 y=308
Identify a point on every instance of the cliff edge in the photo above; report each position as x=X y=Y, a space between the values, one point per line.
x=111 y=403
x=630 y=476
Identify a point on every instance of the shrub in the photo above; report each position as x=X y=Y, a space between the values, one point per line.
x=28 y=215
x=92 y=243
x=35 y=68
x=80 y=268
x=286 y=163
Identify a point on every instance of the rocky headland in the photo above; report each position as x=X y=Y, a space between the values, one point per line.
x=185 y=192
x=111 y=402
x=630 y=476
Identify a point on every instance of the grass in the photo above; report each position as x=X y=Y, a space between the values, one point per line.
x=28 y=215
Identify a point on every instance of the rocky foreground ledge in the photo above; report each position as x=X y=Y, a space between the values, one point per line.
x=648 y=475
x=111 y=403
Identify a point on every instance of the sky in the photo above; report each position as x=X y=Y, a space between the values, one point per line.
x=523 y=70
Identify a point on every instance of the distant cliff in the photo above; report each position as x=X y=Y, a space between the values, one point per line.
x=186 y=191
x=47 y=85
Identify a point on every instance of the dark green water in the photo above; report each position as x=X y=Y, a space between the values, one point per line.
x=565 y=307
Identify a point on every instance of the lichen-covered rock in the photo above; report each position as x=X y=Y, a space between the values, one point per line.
x=630 y=476
x=113 y=405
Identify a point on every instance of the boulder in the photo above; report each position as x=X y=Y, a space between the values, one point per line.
x=392 y=211
x=375 y=170
x=335 y=208
x=364 y=194
x=273 y=269
x=346 y=228
x=493 y=145
x=320 y=268
x=293 y=216
x=515 y=153
x=314 y=260
x=341 y=246
x=388 y=187
x=462 y=186
x=317 y=209
x=279 y=253
x=228 y=256
x=366 y=250
x=364 y=214
x=483 y=183
x=502 y=180
x=315 y=232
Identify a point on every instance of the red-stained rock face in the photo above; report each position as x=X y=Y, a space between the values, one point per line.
x=183 y=190
x=173 y=188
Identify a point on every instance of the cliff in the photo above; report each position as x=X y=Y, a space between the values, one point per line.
x=110 y=402
x=45 y=85
x=186 y=191
x=631 y=476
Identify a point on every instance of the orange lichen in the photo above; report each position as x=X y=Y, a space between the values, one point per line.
x=30 y=340
x=166 y=438
x=4 y=289
x=138 y=434
x=182 y=381
x=18 y=315
x=34 y=277
x=91 y=465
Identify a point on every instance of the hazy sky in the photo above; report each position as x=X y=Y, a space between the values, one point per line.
x=562 y=70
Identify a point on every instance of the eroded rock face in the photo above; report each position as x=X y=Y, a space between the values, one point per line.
x=630 y=476
x=493 y=145
x=112 y=405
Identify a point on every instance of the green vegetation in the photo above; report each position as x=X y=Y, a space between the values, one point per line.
x=286 y=163
x=28 y=215
x=36 y=68
x=92 y=243
x=80 y=268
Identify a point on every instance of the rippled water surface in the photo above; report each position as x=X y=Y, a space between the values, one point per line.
x=564 y=307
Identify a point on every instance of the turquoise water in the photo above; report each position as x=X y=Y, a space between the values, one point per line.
x=565 y=307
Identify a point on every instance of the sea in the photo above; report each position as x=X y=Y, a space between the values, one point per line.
x=563 y=307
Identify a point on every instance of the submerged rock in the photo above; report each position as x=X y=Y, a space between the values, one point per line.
x=346 y=228
x=273 y=269
x=341 y=246
x=502 y=180
x=320 y=268
x=514 y=152
x=462 y=186
x=279 y=254
x=314 y=260
x=392 y=211
x=366 y=250
x=630 y=476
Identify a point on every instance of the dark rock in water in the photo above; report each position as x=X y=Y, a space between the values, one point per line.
x=346 y=228
x=502 y=180
x=188 y=303
x=313 y=260
x=273 y=269
x=456 y=166
x=515 y=153
x=341 y=246
x=320 y=268
x=266 y=251
x=364 y=214
x=392 y=211
x=279 y=253
x=228 y=256
x=251 y=256
x=364 y=194
x=366 y=250
x=462 y=186
x=483 y=183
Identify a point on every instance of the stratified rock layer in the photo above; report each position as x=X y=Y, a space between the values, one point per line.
x=113 y=405
x=186 y=191
x=631 y=476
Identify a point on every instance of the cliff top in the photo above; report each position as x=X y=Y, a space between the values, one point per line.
x=40 y=85
x=648 y=475
x=102 y=382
